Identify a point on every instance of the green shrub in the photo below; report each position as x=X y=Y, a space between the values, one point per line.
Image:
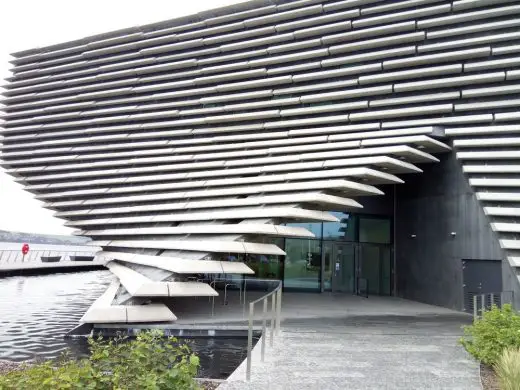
x=508 y=369
x=488 y=337
x=151 y=361
x=65 y=375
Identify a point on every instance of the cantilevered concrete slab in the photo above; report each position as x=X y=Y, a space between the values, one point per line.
x=138 y=285
x=102 y=311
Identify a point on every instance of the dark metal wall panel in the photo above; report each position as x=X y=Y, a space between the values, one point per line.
x=432 y=206
x=481 y=277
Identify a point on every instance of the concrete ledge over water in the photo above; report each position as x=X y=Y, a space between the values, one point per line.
x=181 y=331
x=38 y=267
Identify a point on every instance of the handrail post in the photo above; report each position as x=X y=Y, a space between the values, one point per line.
x=245 y=291
x=225 y=291
x=249 y=340
x=475 y=307
x=279 y=310
x=483 y=305
x=244 y=305
x=273 y=315
x=213 y=285
x=264 y=327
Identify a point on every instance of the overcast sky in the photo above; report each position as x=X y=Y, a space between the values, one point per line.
x=27 y=24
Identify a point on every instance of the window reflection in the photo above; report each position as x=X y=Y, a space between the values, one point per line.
x=327 y=272
x=345 y=229
x=264 y=266
x=302 y=264
x=314 y=228
x=376 y=230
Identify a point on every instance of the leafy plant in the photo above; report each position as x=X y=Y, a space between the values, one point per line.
x=488 y=337
x=47 y=376
x=151 y=361
x=508 y=369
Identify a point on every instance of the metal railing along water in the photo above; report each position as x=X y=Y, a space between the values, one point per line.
x=12 y=256
x=275 y=319
x=484 y=302
x=274 y=313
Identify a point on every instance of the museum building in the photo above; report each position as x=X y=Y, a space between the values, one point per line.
x=356 y=146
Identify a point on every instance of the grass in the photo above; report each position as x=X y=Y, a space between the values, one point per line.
x=507 y=369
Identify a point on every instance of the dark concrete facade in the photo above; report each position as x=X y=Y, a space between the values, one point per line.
x=510 y=283
x=431 y=206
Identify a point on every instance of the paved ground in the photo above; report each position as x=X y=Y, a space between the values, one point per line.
x=375 y=343
x=345 y=342
x=296 y=306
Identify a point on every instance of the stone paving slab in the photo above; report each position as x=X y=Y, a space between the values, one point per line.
x=406 y=354
x=300 y=306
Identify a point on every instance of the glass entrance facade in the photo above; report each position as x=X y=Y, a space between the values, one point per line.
x=355 y=251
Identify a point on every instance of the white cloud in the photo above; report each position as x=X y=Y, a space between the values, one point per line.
x=27 y=24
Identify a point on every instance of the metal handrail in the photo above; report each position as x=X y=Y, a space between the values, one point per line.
x=276 y=310
x=245 y=280
x=226 y=285
x=15 y=255
x=225 y=291
x=488 y=300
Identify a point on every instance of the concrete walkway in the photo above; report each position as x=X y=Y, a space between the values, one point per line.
x=296 y=306
x=387 y=343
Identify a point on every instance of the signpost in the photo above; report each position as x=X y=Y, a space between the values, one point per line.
x=25 y=250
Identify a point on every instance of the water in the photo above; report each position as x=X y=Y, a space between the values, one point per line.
x=37 y=311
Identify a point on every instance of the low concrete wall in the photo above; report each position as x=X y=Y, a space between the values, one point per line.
x=39 y=268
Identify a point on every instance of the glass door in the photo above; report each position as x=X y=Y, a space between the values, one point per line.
x=375 y=268
x=343 y=267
